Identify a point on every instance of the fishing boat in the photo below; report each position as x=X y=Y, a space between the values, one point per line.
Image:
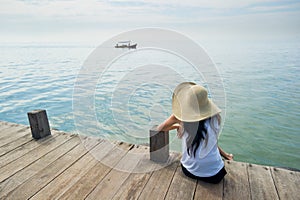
x=125 y=44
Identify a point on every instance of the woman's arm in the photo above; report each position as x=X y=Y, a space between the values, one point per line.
x=171 y=123
x=227 y=156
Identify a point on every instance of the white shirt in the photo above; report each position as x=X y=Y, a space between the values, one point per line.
x=207 y=161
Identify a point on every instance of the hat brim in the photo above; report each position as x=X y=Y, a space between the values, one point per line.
x=186 y=107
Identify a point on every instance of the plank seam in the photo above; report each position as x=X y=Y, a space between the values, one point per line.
x=98 y=183
x=36 y=173
x=145 y=185
x=16 y=146
x=25 y=166
x=142 y=187
x=58 y=174
x=67 y=140
x=18 y=134
x=70 y=186
x=42 y=142
x=4 y=130
x=87 y=151
x=171 y=182
x=248 y=177
x=194 y=193
x=223 y=188
x=107 y=173
x=272 y=175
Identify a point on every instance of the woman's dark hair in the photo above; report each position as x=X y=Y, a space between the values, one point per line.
x=201 y=133
x=198 y=131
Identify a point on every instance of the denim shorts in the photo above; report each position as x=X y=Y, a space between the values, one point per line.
x=212 y=179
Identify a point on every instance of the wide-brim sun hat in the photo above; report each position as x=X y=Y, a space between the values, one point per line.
x=190 y=103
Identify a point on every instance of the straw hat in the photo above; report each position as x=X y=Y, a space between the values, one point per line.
x=190 y=103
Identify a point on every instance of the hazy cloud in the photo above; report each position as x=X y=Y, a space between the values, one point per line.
x=60 y=17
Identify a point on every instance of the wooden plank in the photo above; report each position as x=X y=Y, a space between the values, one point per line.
x=159 y=182
x=21 y=176
x=70 y=176
x=22 y=150
x=46 y=175
x=89 y=181
x=49 y=170
x=8 y=125
x=11 y=126
x=14 y=144
x=182 y=187
x=236 y=182
x=4 y=128
x=261 y=183
x=209 y=191
x=33 y=155
x=110 y=185
x=132 y=187
x=12 y=134
x=287 y=183
x=4 y=125
x=134 y=184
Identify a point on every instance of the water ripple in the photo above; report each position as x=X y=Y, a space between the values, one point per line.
x=261 y=83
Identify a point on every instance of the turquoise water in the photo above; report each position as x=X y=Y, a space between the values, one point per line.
x=261 y=81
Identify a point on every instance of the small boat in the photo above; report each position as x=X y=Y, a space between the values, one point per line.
x=125 y=44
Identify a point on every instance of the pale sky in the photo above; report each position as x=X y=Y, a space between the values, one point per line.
x=93 y=21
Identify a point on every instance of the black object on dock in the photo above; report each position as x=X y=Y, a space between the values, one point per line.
x=159 y=145
x=39 y=124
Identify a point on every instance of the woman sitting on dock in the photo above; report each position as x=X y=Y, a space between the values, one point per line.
x=197 y=120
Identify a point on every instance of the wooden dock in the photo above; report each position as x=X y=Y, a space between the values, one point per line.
x=64 y=166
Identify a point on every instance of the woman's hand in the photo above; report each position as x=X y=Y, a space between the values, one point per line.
x=227 y=156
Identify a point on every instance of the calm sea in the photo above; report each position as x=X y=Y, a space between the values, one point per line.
x=261 y=83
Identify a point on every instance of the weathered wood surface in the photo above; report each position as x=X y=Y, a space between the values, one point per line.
x=66 y=166
x=236 y=181
x=261 y=182
x=287 y=183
